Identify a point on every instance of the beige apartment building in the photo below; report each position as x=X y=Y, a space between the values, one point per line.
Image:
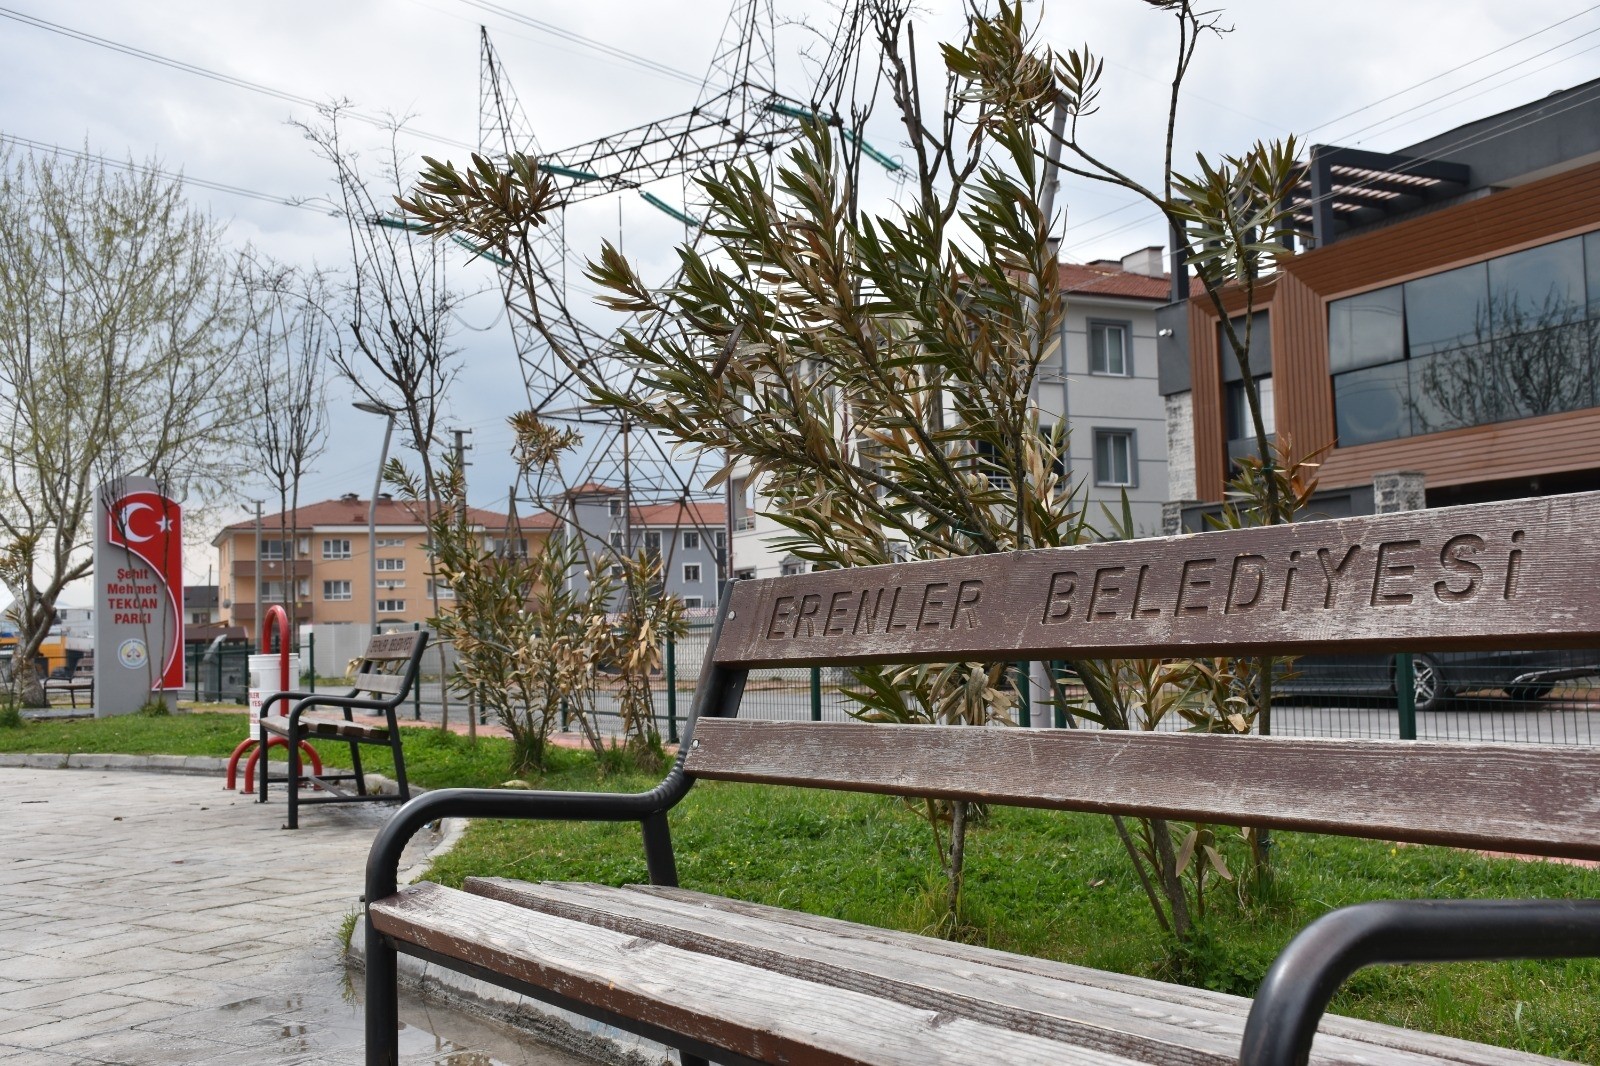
x=322 y=572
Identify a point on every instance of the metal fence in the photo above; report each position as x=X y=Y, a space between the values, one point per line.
x=1505 y=696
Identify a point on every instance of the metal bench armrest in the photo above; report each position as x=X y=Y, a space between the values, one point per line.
x=1310 y=970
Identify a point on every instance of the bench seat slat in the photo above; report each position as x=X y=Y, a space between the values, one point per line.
x=1497 y=797
x=759 y=1015
x=325 y=727
x=1129 y=1016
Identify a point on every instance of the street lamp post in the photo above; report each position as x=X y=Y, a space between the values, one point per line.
x=372 y=506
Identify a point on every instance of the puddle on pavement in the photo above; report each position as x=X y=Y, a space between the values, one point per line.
x=320 y=1015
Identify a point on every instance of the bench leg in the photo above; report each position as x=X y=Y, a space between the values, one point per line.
x=294 y=781
x=355 y=765
x=399 y=756
x=383 y=1000
x=261 y=750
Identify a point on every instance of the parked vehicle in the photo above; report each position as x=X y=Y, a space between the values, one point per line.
x=1522 y=675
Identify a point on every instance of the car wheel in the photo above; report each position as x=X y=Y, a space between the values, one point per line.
x=1428 y=683
x=1537 y=690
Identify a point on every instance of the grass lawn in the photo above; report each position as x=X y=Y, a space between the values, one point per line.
x=1046 y=884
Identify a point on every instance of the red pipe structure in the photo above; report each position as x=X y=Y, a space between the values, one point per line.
x=278 y=618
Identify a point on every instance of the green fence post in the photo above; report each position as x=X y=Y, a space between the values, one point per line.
x=311 y=656
x=564 y=714
x=816 y=693
x=1059 y=716
x=219 y=675
x=1024 y=696
x=194 y=670
x=672 y=690
x=1405 y=691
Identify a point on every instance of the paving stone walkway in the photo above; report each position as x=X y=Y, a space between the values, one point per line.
x=156 y=918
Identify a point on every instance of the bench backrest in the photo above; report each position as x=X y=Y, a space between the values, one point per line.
x=391 y=662
x=1521 y=574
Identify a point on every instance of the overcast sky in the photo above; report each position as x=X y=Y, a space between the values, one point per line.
x=1377 y=73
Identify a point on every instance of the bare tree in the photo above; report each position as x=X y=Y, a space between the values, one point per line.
x=292 y=340
x=398 y=301
x=119 y=330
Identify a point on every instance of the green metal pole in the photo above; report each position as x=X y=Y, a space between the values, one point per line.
x=1405 y=690
x=1060 y=710
x=672 y=690
x=563 y=714
x=1024 y=697
x=816 y=693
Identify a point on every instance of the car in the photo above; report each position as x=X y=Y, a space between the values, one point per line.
x=1437 y=676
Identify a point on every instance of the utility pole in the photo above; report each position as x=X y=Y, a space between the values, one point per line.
x=256 y=628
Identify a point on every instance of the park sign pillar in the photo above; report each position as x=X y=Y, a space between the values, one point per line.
x=138 y=579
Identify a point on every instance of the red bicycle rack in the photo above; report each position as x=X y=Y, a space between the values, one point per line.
x=275 y=614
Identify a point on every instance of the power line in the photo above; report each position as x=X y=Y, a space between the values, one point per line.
x=587 y=42
x=1470 y=84
x=182 y=179
x=219 y=76
x=1452 y=70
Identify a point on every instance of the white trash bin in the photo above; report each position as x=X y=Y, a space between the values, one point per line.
x=264 y=681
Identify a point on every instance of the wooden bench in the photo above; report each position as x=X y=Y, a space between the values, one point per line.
x=734 y=982
x=382 y=681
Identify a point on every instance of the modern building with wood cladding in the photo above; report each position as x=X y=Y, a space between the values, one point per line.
x=1441 y=336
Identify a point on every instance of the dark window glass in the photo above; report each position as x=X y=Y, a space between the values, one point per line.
x=1591 y=261
x=1371 y=404
x=1447 y=310
x=1113 y=457
x=1108 y=348
x=1454 y=388
x=1366 y=330
x=1240 y=425
x=1544 y=371
x=1260 y=346
x=1537 y=288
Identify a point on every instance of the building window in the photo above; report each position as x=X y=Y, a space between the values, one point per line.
x=746 y=574
x=392 y=606
x=1241 y=426
x=721 y=539
x=336 y=549
x=652 y=540
x=272 y=549
x=616 y=572
x=272 y=591
x=792 y=568
x=691 y=540
x=440 y=590
x=392 y=583
x=1511 y=337
x=691 y=573
x=1114 y=457
x=391 y=542
x=336 y=590
x=692 y=602
x=304 y=589
x=199 y=618
x=1108 y=348
x=615 y=507
x=391 y=564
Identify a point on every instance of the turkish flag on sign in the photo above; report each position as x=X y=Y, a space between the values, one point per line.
x=149 y=526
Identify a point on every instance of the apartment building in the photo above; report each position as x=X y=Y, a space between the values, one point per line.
x=1441 y=335
x=1099 y=373
x=322 y=573
x=688 y=536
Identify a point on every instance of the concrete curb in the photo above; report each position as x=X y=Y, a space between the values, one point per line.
x=166 y=764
